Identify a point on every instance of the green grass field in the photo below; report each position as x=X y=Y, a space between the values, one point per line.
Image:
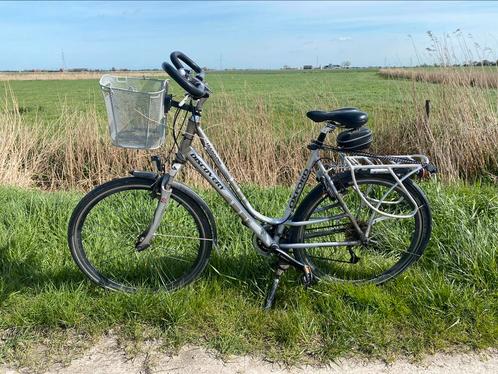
x=447 y=300
x=287 y=93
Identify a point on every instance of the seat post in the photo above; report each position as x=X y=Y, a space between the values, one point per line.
x=329 y=127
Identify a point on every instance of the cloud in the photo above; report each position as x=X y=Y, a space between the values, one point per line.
x=344 y=38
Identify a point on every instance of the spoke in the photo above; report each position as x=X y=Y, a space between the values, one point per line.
x=183 y=237
x=111 y=236
x=177 y=258
x=331 y=259
x=160 y=272
x=327 y=227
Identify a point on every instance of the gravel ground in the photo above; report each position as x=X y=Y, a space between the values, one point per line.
x=106 y=357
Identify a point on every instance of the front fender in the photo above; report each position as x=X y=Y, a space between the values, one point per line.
x=144 y=174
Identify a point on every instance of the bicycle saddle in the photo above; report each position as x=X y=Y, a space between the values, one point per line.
x=350 y=118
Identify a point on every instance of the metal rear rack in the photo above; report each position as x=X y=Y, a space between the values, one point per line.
x=399 y=167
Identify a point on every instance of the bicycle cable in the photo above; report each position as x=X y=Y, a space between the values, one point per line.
x=175 y=133
x=168 y=157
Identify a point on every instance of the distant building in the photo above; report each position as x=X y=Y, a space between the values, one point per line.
x=332 y=66
x=307 y=67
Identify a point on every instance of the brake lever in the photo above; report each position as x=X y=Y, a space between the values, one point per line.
x=196 y=81
x=184 y=100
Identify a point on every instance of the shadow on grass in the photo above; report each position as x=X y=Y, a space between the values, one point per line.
x=27 y=275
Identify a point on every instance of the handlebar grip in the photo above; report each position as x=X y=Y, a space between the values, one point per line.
x=173 y=72
x=178 y=56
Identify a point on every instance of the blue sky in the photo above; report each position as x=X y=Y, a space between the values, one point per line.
x=234 y=34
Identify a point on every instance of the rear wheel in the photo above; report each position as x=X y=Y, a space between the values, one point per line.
x=108 y=221
x=394 y=243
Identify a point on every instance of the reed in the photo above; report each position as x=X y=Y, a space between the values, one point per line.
x=475 y=76
x=257 y=142
x=69 y=75
x=461 y=130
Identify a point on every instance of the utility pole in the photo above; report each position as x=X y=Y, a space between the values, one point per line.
x=63 y=67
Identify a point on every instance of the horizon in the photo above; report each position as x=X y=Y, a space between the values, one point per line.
x=238 y=35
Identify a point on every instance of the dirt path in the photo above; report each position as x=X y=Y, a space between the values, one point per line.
x=106 y=357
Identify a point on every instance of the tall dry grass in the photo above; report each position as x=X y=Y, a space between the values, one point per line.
x=484 y=77
x=74 y=152
x=460 y=133
x=19 y=149
x=68 y=75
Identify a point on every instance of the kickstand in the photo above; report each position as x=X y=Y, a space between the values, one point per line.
x=270 y=298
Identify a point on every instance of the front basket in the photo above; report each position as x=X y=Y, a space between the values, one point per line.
x=135 y=109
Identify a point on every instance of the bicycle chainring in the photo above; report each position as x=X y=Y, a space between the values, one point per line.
x=258 y=244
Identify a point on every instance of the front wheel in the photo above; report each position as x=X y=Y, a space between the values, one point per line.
x=107 y=222
x=393 y=243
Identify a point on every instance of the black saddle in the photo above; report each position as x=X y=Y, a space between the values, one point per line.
x=350 y=118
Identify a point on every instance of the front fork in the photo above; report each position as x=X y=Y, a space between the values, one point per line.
x=145 y=238
x=166 y=181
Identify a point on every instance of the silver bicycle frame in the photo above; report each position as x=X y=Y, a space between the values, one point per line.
x=229 y=189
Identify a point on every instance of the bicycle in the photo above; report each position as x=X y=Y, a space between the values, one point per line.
x=366 y=220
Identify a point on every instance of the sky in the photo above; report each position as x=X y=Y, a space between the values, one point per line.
x=225 y=34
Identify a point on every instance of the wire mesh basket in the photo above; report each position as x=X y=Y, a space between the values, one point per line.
x=135 y=109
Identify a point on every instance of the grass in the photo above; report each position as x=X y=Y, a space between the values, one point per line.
x=286 y=92
x=257 y=121
x=54 y=136
x=447 y=300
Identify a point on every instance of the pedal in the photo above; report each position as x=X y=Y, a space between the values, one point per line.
x=308 y=277
x=354 y=259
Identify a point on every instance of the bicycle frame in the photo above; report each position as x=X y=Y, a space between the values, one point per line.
x=231 y=192
x=233 y=195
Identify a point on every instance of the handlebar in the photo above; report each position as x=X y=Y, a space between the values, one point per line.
x=169 y=103
x=178 y=56
x=193 y=86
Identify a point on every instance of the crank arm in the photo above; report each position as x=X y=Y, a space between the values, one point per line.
x=145 y=238
x=288 y=258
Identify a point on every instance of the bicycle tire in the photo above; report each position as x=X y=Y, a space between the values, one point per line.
x=418 y=243
x=189 y=207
